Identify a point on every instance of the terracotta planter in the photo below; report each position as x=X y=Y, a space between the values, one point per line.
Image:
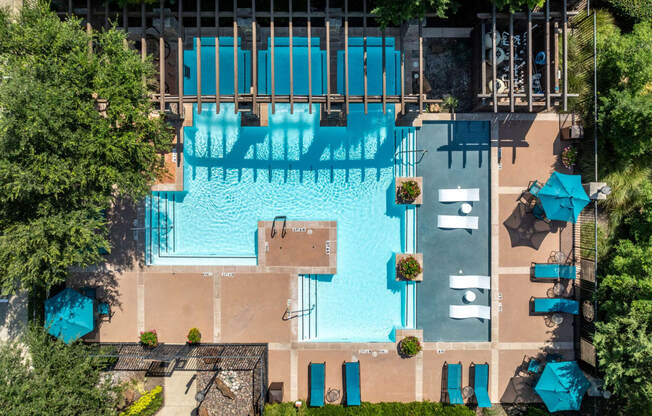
x=419 y=259
x=401 y=180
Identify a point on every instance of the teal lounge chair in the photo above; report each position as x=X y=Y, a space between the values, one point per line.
x=317 y=376
x=548 y=305
x=352 y=383
x=481 y=384
x=454 y=383
x=554 y=271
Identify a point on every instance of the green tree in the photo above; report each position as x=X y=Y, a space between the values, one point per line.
x=624 y=348
x=392 y=12
x=625 y=108
x=44 y=376
x=518 y=5
x=637 y=9
x=63 y=162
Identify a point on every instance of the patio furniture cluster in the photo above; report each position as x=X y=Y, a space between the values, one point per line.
x=70 y=315
x=317 y=376
x=453 y=392
x=459 y=221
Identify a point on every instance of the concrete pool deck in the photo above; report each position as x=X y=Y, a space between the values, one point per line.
x=247 y=303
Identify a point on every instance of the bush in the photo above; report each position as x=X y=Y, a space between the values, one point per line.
x=194 y=336
x=408 y=191
x=368 y=409
x=408 y=268
x=148 y=404
x=409 y=347
x=149 y=338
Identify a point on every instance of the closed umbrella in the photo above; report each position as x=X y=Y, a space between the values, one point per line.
x=69 y=315
x=562 y=386
x=563 y=197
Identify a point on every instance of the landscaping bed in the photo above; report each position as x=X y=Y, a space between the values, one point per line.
x=385 y=409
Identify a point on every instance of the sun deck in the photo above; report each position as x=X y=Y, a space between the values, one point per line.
x=248 y=303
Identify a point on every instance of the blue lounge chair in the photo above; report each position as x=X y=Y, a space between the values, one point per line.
x=534 y=366
x=554 y=271
x=317 y=376
x=352 y=383
x=548 y=305
x=454 y=383
x=481 y=384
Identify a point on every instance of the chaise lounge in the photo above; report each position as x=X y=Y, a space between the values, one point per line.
x=552 y=305
x=457 y=221
x=554 y=271
x=469 y=311
x=317 y=375
x=454 y=383
x=481 y=384
x=469 y=282
x=459 y=195
x=352 y=383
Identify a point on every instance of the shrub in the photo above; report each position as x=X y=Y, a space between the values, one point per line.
x=408 y=268
x=149 y=338
x=568 y=157
x=424 y=408
x=148 y=404
x=408 y=191
x=194 y=336
x=409 y=346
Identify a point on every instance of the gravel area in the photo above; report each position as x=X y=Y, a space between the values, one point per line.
x=218 y=404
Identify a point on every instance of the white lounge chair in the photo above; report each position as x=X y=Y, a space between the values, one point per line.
x=459 y=195
x=468 y=282
x=469 y=311
x=457 y=221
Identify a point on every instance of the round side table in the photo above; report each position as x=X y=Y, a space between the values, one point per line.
x=557 y=318
x=469 y=296
x=466 y=208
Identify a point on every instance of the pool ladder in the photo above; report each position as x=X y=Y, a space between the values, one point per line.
x=283 y=230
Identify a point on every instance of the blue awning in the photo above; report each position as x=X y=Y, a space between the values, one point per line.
x=69 y=315
x=563 y=197
x=562 y=386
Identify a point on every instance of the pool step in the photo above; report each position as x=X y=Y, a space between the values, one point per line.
x=307 y=309
x=161 y=223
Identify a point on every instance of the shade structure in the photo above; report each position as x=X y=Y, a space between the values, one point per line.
x=69 y=315
x=563 y=197
x=562 y=386
x=525 y=230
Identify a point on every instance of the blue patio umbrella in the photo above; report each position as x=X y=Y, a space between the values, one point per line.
x=562 y=386
x=69 y=315
x=563 y=197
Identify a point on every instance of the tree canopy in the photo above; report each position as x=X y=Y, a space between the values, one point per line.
x=62 y=161
x=44 y=376
x=392 y=12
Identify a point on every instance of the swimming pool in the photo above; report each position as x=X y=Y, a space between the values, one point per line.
x=235 y=176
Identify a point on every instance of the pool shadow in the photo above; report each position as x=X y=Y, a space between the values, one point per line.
x=393 y=284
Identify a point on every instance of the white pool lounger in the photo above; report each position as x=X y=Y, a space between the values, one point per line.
x=457 y=221
x=469 y=282
x=469 y=311
x=459 y=195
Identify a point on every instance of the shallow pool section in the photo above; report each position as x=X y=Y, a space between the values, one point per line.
x=457 y=156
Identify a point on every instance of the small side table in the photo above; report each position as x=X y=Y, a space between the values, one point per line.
x=469 y=296
x=557 y=318
x=467 y=392
x=466 y=208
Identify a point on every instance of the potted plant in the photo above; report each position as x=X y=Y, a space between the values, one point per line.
x=409 y=347
x=194 y=336
x=568 y=157
x=149 y=338
x=408 y=267
x=408 y=190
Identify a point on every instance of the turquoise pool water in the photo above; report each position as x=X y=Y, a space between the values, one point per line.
x=235 y=176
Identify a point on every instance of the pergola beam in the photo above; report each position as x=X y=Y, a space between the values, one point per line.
x=198 y=23
x=547 y=48
x=493 y=59
x=235 y=54
x=529 y=61
x=511 y=63
x=309 y=28
x=364 y=53
x=291 y=60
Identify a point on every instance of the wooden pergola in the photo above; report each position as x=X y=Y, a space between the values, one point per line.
x=192 y=24
x=526 y=97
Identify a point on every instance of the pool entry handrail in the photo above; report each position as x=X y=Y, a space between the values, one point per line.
x=283 y=230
